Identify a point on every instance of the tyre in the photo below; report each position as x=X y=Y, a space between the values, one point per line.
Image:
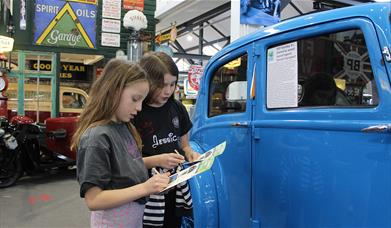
x=10 y=172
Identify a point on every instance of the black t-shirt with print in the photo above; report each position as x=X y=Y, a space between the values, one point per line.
x=161 y=128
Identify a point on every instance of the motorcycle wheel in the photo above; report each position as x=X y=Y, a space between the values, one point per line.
x=10 y=173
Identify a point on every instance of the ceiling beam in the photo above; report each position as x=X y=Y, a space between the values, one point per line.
x=209 y=43
x=217 y=30
x=191 y=56
x=182 y=50
x=198 y=21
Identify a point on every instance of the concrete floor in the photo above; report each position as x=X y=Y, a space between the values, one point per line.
x=48 y=200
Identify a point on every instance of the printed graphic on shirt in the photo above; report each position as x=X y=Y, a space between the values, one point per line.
x=157 y=142
x=146 y=128
x=175 y=122
x=132 y=149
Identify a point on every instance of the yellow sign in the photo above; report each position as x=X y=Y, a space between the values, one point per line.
x=161 y=38
x=234 y=63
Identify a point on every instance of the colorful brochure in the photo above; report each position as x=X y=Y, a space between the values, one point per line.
x=203 y=163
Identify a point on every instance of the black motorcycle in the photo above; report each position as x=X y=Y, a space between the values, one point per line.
x=10 y=162
x=23 y=151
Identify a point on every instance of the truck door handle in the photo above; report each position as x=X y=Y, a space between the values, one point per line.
x=239 y=124
x=377 y=128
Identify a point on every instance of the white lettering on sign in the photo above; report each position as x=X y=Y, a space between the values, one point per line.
x=46 y=9
x=41 y=8
x=86 y=13
x=56 y=36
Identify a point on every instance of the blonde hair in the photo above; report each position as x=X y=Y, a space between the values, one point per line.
x=105 y=95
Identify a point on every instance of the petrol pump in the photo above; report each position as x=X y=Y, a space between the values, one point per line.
x=3 y=86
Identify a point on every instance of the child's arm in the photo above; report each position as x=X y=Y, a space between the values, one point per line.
x=98 y=199
x=165 y=160
x=191 y=155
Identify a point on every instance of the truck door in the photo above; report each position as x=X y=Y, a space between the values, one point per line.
x=320 y=158
x=227 y=118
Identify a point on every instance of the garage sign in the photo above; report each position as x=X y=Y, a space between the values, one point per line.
x=65 y=24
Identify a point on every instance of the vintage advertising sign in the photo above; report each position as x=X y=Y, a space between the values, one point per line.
x=111 y=9
x=69 y=71
x=111 y=39
x=134 y=5
x=65 y=24
x=6 y=44
x=195 y=75
x=95 y=2
x=189 y=91
x=109 y=25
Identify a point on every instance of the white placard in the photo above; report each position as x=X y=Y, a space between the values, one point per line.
x=110 y=39
x=111 y=9
x=6 y=44
x=282 y=76
x=109 y=25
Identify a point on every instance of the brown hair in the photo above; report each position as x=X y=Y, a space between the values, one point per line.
x=157 y=64
x=105 y=95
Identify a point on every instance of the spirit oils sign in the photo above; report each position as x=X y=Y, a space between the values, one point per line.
x=65 y=24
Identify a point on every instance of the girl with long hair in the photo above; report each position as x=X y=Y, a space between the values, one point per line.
x=164 y=125
x=112 y=175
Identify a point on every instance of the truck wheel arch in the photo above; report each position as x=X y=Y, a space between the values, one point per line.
x=204 y=196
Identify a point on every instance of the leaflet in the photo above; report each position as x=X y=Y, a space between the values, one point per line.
x=202 y=164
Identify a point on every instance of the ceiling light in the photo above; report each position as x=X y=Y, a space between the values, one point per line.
x=189 y=38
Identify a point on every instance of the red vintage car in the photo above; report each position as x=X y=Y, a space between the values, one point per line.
x=29 y=148
x=61 y=145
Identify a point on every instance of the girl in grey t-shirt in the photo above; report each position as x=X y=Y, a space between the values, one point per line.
x=111 y=172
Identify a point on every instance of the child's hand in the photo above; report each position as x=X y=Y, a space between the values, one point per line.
x=170 y=160
x=193 y=156
x=157 y=183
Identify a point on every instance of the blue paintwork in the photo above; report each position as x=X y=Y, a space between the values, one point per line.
x=299 y=167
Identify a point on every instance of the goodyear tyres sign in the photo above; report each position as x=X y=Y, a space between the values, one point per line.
x=65 y=23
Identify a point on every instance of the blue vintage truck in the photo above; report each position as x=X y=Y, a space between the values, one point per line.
x=305 y=109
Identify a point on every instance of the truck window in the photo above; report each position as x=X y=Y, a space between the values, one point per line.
x=328 y=70
x=228 y=88
x=73 y=100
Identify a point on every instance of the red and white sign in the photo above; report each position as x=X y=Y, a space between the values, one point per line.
x=134 y=4
x=111 y=9
x=195 y=75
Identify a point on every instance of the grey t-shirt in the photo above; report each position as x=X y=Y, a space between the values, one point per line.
x=107 y=157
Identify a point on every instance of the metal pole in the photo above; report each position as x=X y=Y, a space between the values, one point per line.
x=134 y=47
